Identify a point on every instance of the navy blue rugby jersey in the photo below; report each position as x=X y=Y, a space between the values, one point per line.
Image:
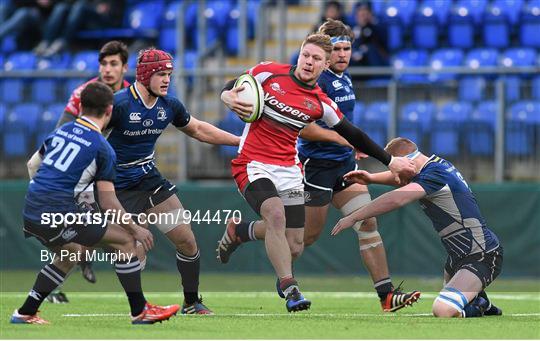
x=453 y=210
x=135 y=130
x=339 y=89
x=73 y=157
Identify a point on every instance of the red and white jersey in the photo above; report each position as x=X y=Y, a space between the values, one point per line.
x=290 y=105
x=74 y=104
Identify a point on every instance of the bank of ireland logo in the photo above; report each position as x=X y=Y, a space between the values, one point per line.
x=135 y=117
x=77 y=131
x=161 y=115
x=147 y=123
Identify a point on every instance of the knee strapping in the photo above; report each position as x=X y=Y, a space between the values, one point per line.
x=363 y=236
x=354 y=204
x=166 y=222
x=453 y=298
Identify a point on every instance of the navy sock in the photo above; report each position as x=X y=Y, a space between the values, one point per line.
x=48 y=279
x=383 y=287
x=129 y=274
x=189 y=268
x=245 y=231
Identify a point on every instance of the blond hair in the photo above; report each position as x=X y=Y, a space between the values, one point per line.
x=321 y=40
x=400 y=146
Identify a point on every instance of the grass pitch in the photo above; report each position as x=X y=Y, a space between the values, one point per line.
x=246 y=308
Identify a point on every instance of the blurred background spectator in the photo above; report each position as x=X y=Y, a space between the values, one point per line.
x=68 y=17
x=370 y=47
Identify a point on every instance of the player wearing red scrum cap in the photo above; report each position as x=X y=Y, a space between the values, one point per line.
x=140 y=114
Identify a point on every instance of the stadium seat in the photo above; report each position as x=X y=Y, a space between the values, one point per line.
x=440 y=8
x=403 y=9
x=425 y=32
x=167 y=39
x=480 y=130
x=146 y=15
x=47 y=122
x=85 y=61
x=411 y=58
x=475 y=8
x=375 y=120
x=232 y=124
x=482 y=57
x=60 y=61
x=358 y=113
x=443 y=58
x=530 y=26
x=445 y=132
x=472 y=88
x=415 y=121
x=461 y=29
x=12 y=90
x=512 y=86
x=515 y=57
x=44 y=90
x=20 y=61
x=535 y=91
x=510 y=8
x=20 y=127
x=496 y=30
x=395 y=31
x=522 y=123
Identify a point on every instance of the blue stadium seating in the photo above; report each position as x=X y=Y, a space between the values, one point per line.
x=20 y=61
x=375 y=120
x=479 y=131
x=475 y=8
x=444 y=58
x=515 y=57
x=20 y=126
x=461 y=29
x=530 y=26
x=411 y=58
x=522 y=122
x=535 y=88
x=445 y=132
x=472 y=88
x=440 y=8
x=145 y=15
x=496 y=31
x=510 y=8
x=482 y=57
x=395 y=30
x=85 y=61
x=60 y=61
x=44 y=90
x=233 y=125
x=47 y=122
x=425 y=32
x=167 y=39
x=415 y=121
x=3 y=111
x=12 y=90
x=358 y=113
x=403 y=9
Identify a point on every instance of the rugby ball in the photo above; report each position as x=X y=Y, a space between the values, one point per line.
x=252 y=93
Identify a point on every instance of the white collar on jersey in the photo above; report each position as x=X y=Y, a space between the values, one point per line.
x=427 y=161
x=91 y=122
x=142 y=100
x=332 y=72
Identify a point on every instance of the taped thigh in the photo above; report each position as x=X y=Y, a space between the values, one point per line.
x=355 y=204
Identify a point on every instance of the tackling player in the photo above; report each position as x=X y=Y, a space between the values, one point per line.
x=113 y=59
x=141 y=113
x=325 y=163
x=474 y=253
x=267 y=170
x=74 y=156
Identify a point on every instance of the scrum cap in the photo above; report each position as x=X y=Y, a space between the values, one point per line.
x=151 y=61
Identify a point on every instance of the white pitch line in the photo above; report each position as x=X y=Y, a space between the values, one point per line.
x=318 y=294
x=301 y=315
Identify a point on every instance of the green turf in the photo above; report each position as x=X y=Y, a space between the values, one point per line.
x=246 y=309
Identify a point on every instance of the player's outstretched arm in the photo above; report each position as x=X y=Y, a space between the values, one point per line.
x=383 y=204
x=365 y=178
x=109 y=202
x=314 y=132
x=205 y=132
x=33 y=164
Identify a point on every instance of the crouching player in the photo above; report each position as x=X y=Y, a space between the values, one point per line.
x=74 y=156
x=474 y=252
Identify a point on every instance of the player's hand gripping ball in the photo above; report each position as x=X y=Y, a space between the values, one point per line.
x=253 y=94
